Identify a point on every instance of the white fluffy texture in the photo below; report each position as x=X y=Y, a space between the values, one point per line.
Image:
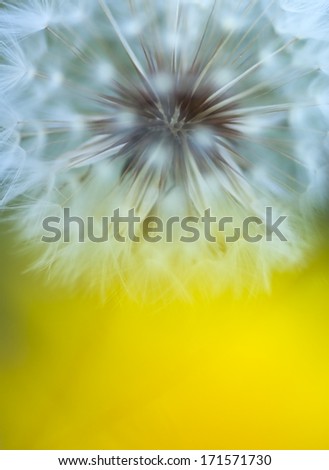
x=305 y=19
x=31 y=16
x=60 y=60
x=15 y=68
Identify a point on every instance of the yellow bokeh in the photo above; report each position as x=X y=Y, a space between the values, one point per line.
x=248 y=372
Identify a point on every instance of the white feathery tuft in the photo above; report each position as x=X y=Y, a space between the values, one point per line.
x=22 y=19
x=304 y=19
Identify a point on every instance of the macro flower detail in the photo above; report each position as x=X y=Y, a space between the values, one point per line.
x=182 y=109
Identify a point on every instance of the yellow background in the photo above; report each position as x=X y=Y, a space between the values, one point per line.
x=231 y=373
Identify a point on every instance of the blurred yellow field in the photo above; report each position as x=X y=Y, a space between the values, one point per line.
x=231 y=373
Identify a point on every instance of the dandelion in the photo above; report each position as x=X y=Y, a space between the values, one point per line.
x=172 y=109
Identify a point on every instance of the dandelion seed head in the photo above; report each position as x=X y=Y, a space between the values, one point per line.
x=170 y=108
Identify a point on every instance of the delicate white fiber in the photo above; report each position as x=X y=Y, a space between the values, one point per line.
x=304 y=19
